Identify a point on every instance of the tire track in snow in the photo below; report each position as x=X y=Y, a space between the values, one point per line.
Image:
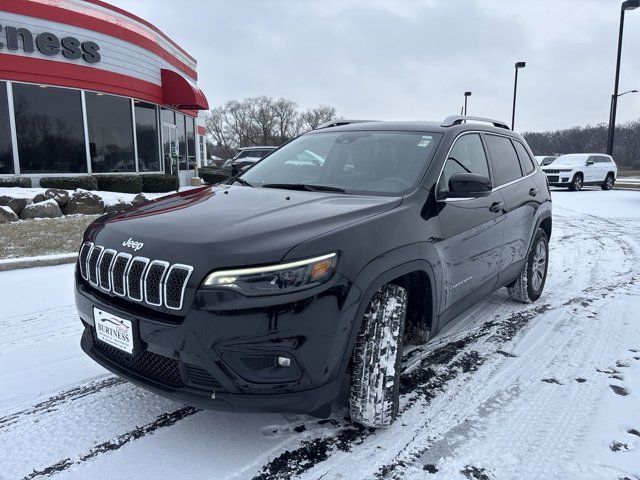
x=163 y=421
x=53 y=403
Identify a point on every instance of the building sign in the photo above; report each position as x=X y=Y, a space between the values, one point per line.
x=49 y=44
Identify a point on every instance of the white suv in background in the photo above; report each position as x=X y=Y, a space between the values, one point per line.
x=576 y=170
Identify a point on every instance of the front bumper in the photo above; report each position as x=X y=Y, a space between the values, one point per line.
x=222 y=354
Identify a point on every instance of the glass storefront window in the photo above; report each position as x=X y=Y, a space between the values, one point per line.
x=6 y=151
x=168 y=116
x=182 y=142
x=49 y=129
x=147 y=137
x=191 y=143
x=110 y=133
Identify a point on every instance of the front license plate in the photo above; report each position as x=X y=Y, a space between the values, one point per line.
x=116 y=331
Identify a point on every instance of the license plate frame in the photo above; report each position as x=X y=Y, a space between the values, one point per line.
x=115 y=331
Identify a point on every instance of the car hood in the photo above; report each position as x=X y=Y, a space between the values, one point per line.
x=229 y=226
x=556 y=166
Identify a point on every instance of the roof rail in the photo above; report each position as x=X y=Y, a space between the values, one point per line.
x=339 y=123
x=458 y=119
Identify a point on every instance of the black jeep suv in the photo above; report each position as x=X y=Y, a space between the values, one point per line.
x=299 y=282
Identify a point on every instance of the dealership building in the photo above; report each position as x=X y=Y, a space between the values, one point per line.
x=88 y=88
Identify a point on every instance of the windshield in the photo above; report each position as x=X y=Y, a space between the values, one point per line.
x=363 y=162
x=570 y=160
x=547 y=161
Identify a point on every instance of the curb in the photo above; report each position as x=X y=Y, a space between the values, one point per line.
x=31 y=262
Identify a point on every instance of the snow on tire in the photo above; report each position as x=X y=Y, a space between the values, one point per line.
x=377 y=359
x=530 y=283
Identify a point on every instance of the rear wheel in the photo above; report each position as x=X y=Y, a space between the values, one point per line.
x=530 y=283
x=608 y=183
x=377 y=359
x=576 y=183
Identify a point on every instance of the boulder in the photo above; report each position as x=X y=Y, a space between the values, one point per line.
x=84 y=202
x=117 y=207
x=15 y=204
x=59 y=195
x=47 y=209
x=139 y=198
x=7 y=215
x=39 y=198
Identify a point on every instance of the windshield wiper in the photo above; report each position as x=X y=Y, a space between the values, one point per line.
x=305 y=186
x=241 y=181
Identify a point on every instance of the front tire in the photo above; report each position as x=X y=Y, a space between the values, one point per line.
x=576 y=183
x=377 y=359
x=608 y=183
x=530 y=283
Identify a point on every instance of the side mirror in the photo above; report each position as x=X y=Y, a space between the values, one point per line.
x=462 y=185
x=590 y=162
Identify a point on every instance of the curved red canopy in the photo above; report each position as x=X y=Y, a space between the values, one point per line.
x=178 y=92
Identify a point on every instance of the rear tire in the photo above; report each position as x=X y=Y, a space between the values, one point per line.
x=576 y=183
x=377 y=359
x=608 y=183
x=530 y=283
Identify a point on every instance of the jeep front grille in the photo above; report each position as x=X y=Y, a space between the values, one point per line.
x=139 y=279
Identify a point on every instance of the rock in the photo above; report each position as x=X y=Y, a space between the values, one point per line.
x=15 y=204
x=47 y=209
x=139 y=198
x=59 y=195
x=7 y=215
x=117 y=207
x=39 y=198
x=85 y=203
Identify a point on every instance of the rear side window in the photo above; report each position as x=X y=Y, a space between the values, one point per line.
x=602 y=159
x=466 y=156
x=526 y=163
x=506 y=166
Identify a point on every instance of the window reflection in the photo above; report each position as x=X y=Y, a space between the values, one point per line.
x=147 y=137
x=191 y=143
x=110 y=133
x=49 y=129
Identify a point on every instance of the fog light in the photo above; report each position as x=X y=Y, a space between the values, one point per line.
x=565 y=179
x=284 y=362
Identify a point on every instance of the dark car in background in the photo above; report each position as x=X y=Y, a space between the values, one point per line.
x=246 y=157
x=296 y=286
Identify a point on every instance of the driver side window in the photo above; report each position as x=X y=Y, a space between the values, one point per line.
x=466 y=156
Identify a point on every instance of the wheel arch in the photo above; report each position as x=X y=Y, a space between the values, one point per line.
x=378 y=273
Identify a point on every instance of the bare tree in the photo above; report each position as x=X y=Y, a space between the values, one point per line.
x=590 y=139
x=285 y=113
x=313 y=118
x=261 y=121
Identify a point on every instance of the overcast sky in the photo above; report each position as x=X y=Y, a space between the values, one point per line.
x=411 y=60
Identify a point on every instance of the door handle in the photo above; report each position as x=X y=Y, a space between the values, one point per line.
x=497 y=207
x=533 y=192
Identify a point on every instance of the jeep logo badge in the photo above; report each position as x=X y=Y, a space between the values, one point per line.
x=131 y=243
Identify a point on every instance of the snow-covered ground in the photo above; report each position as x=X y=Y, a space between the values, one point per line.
x=543 y=391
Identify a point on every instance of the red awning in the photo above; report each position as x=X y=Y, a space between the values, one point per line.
x=178 y=92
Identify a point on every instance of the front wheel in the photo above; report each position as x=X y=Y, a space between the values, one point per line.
x=576 y=183
x=377 y=359
x=608 y=183
x=530 y=283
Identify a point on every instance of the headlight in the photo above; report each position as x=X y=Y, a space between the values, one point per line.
x=275 y=279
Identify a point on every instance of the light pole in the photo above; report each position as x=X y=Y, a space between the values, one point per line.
x=466 y=95
x=626 y=5
x=518 y=66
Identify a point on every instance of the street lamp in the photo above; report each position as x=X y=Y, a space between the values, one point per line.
x=627 y=5
x=628 y=91
x=466 y=95
x=518 y=66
